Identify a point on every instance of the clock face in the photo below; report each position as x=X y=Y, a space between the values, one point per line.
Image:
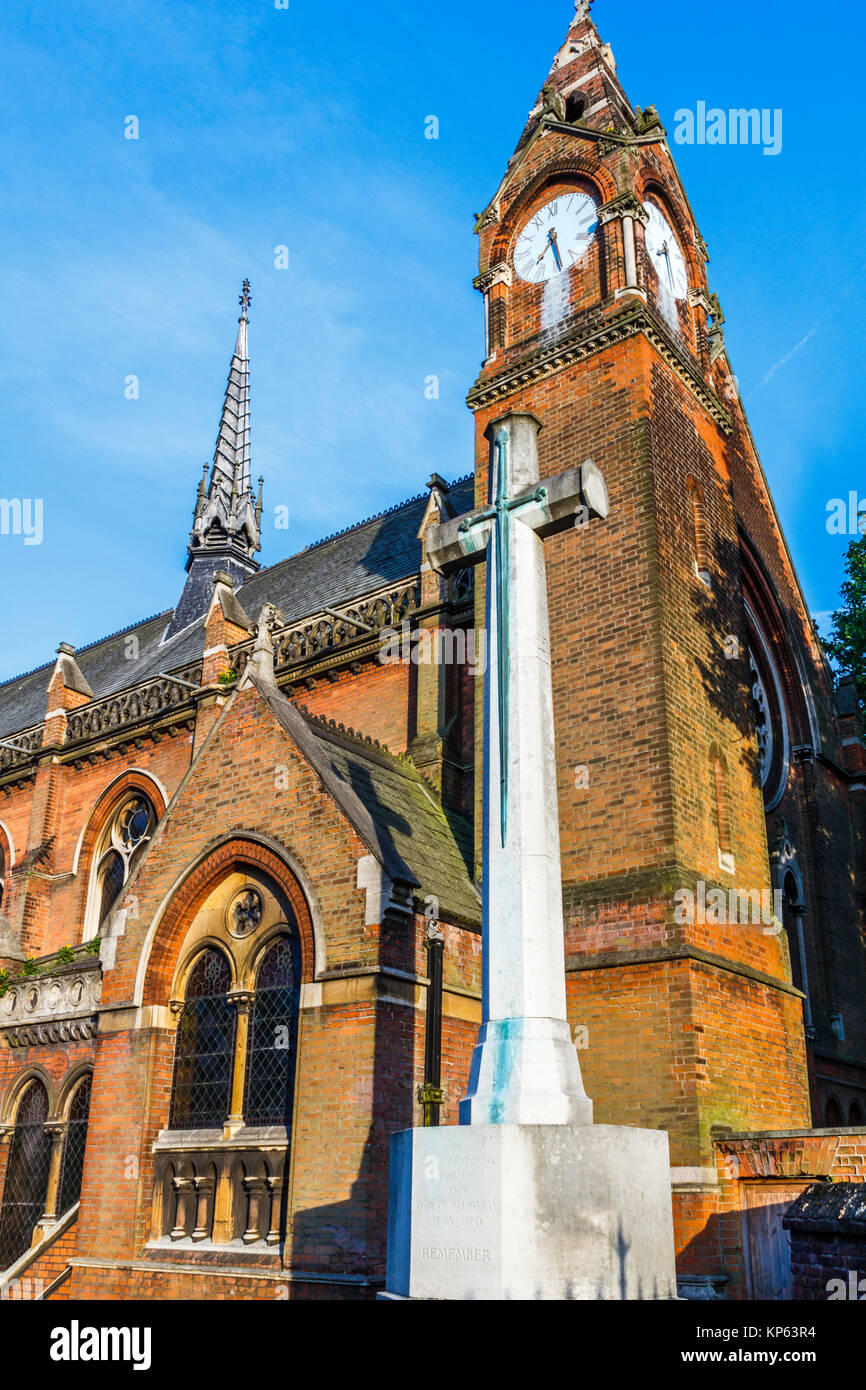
x=555 y=238
x=664 y=252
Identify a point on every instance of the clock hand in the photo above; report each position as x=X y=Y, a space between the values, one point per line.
x=555 y=244
x=545 y=251
x=664 y=252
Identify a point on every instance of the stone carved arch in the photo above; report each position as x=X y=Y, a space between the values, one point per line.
x=237 y=853
x=132 y=779
x=650 y=186
x=7 y=848
x=68 y=1087
x=187 y=961
x=594 y=178
x=25 y=1188
x=33 y=1072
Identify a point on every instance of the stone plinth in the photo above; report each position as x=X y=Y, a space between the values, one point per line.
x=530 y=1212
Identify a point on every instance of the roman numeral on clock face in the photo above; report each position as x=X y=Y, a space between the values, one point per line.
x=555 y=237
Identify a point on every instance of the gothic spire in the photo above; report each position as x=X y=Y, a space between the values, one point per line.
x=227 y=510
x=225 y=531
x=582 y=85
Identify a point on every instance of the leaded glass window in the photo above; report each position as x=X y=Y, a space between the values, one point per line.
x=26 y=1175
x=124 y=839
x=73 y=1150
x=270 y=1085
x=204 y=1050
x=113 y=876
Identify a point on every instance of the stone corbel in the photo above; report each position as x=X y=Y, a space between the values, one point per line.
x=494 y=275
x=713 y=309
x=716 y=337
x=489 y=218
x=626 y=204
x=648 y=120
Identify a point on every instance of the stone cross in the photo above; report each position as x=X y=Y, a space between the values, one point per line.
x=525 y=1068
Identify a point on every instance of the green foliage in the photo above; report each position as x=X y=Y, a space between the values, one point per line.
x=65 y=956
x=227 y=677
x=847 y=644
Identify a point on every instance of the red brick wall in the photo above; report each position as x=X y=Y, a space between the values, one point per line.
x=818 y=1257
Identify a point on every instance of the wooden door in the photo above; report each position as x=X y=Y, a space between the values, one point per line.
x=768 y=1244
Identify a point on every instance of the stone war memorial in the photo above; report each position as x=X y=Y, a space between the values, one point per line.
x=470 y=904
x=526 y=1198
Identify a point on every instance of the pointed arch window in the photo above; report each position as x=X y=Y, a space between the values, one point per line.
x=204 y=1050
x=124 y=838
x=26 y=1185
x=74 y=1146
x=700 y=534
x=722 y=808
x=270 y=1080
x=833 y=1114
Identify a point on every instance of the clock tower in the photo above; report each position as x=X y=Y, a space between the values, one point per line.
x=600 y=321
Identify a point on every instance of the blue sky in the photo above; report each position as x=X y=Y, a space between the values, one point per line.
x=305 y=127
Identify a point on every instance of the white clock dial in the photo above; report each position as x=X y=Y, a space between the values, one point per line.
x=665 y=254
x=555 y=238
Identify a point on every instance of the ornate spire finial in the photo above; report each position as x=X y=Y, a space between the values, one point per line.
x=581 y=10
x=225 y=531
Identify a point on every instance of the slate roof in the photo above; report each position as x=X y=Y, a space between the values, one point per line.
x=838 y=1207
x=394 y=812
x=380 y=551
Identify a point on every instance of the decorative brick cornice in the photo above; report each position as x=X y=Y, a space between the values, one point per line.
x=44 y=1034
x=165 y=703
x=586 y=341
x=800 y=1156
x=20 y=748
x=143 y=703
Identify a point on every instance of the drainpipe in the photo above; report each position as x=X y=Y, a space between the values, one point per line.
x=431 y=1094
